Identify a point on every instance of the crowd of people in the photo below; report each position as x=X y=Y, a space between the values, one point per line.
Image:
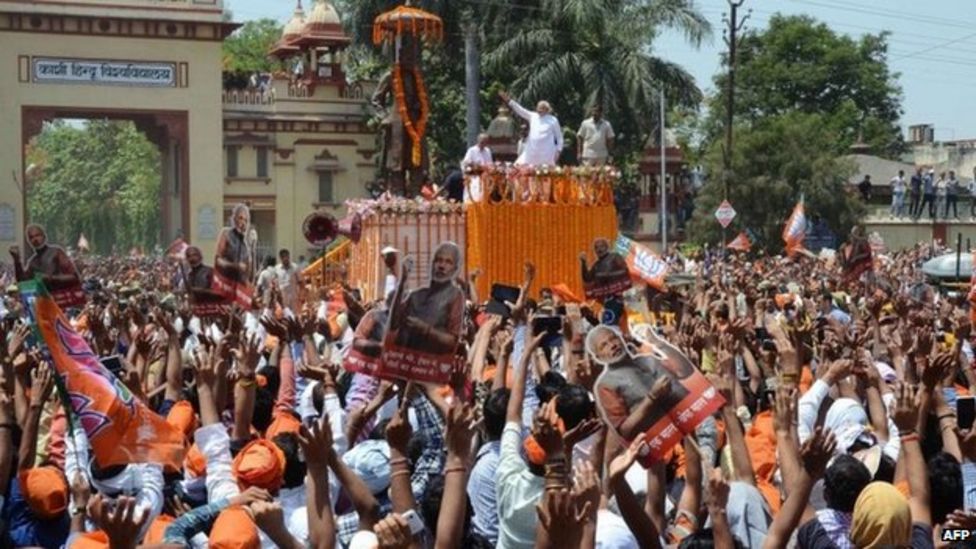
x=926 y=193
x=847 y=415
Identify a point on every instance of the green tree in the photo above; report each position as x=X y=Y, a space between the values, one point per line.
x=799 y=64
x=246 y=50
x=775 y=162
x=101 y=179
x=570 y=52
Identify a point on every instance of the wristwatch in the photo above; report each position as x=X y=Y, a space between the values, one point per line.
x=76 y=510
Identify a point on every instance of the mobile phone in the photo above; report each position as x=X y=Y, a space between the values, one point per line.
x=965 y=411
x=113 y=364
x=499 y=295
x=414 y=521
x=548 y=324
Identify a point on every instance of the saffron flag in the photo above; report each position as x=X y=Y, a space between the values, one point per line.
x=741 y=243
x=177 y=249
x=120 y=428
x=795 y=230
x=642 y=262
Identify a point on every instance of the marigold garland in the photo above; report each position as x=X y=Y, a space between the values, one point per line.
x=415 y=130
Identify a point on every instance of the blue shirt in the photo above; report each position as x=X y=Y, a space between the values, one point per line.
x=927 y=181
x=26 y=530
x=481 y=491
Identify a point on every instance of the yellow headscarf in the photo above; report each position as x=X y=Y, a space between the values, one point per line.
x=882 y=518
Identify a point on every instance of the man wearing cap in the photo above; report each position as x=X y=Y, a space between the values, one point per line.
x=52 y=263
x=545 y=140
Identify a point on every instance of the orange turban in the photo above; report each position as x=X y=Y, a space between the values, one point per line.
x=261 y=463
x=91 y=540
x=182 y=417
x=157 y=529
x=45 y=490
x=782 y=300
x=283 y=423
x=535 y=453
x=564 y=293
x=195 y=462
x=234 y=529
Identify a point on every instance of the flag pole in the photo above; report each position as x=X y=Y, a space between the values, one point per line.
x=663 y=209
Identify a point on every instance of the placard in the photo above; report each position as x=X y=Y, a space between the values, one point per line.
x=630 y=377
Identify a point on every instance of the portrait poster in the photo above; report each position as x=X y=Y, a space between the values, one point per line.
x=608 y=276
x=234 y=264
x=366 y=353
x=425 y=324
x=682 y=396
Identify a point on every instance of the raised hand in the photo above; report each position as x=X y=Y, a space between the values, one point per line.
x=785 y=409
x=562 y=516
x=42 y=383
x=252 y=495
x=620 y=464
x=398 y=430
x=816 y=451
x=317 y=444
x=460 y=431
x=586 y=486
x=393 y=532
x=248 y=355
x=905 y=414
x=121 y=524
x=583 y=430
x=717 y=491
x=545 y=429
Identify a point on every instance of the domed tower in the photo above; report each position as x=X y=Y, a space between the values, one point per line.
x=285 y=46
x=323 y=37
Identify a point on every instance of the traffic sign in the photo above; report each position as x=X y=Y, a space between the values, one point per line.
x=725 y=213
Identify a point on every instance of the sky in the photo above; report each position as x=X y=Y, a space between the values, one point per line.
x=932 y=46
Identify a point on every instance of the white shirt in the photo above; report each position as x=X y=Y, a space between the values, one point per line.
x=476 y=156
x=595 y=136
x=288 y=284
x=545 y=140
x=898 y=184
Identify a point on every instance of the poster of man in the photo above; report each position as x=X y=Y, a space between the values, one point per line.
x=233 y=272
x=52 y=265
x=425 y=324
x=608 y=276
x=199 y=283
x=649 y=387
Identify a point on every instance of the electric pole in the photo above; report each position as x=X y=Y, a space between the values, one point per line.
x=734 y=26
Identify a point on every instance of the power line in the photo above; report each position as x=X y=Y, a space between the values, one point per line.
x=915 y=17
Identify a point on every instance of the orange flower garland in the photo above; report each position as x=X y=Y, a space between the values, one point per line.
x=415 y=130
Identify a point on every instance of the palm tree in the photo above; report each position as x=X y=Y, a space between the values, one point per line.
x=578 y=53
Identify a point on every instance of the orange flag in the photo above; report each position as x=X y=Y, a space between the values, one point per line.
x=119 y=427
x=740 y=244
x=795 y=230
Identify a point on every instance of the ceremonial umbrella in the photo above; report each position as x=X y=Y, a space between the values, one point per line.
x=407 y=19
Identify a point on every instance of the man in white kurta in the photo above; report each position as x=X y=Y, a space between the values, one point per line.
x=477 y=156
x=545 y=139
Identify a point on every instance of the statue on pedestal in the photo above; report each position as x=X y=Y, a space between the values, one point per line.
x=403 y=124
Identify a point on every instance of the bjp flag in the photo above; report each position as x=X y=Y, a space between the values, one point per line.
x=119 y=427
x=740 y=244
x=795 y=230
x=642 y=262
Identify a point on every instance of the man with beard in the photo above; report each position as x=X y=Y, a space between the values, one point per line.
x=233 y=251
x=608 y=275
x=634 y=392
x=429 y=319
x=199 y=278
x=51 y=263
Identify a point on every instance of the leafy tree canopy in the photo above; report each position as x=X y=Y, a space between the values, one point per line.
x=246 y=50
x=775 y=161
x=101 y=179
x=800 y=64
